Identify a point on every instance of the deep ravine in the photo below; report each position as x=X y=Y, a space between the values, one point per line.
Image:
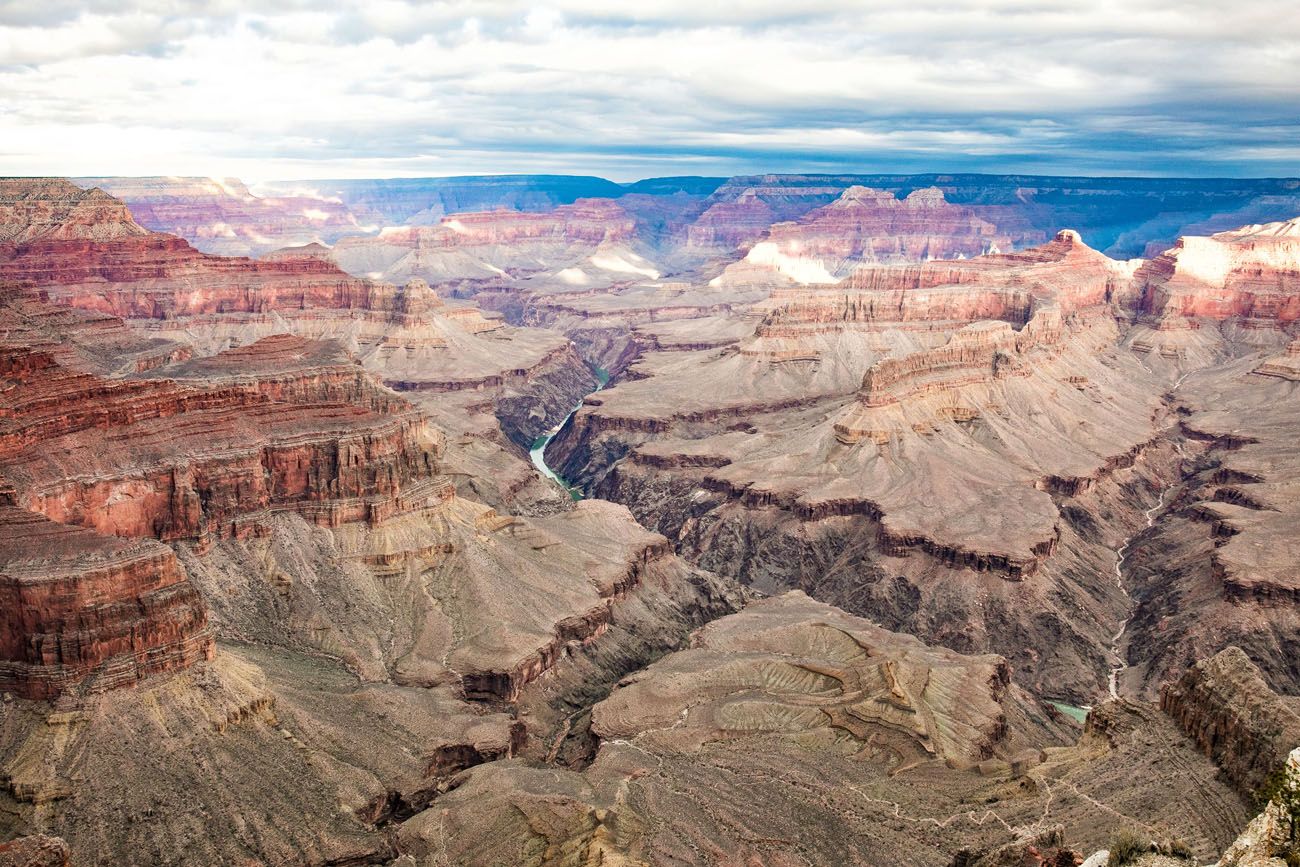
x=1117 y=651
x=537 y=453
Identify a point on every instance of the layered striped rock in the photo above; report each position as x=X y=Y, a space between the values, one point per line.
x=930 y=420
x=867 y=225
x=78 y=605
x=791 y=732
x=1235 y=718
x=161 y=458
x=497 y=245
x=1250 y=275
x=405 y=334
x=790 y=664
x=222 y=216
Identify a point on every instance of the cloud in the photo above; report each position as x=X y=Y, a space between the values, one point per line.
x=296 y=88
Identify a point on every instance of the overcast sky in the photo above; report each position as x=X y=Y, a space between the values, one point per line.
x=652 y=87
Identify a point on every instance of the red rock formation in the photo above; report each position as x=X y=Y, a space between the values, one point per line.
x=189 y=451
x=53 y=209
x=728 y=225
x=490 y=246
x=87 y=252
x=74 y=603
x=221 y=215
x=873 y=225
x=1248 y=274
x=192 y=450
x=586 y=220
x=35 y=851
x=738 y=216
x=107 y=436
x=1065 y=270
x=203 y=456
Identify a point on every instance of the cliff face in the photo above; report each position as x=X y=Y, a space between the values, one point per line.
x=202 y=457
x=940 y=426
x=497 y=246
x=740 y=211
x=1270 y=836
x=53 y=209
x=406 y=335
x=867 y=225
x=77 y=604
x=874 y=225
x=222 y=216
x=1234 y=717
x=1249 y=275
x=191 y=451
x=1121 y=216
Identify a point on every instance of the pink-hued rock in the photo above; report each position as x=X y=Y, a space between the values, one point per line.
x=491 y=245
x=83 y=249
x=868 y=226
x=1250 y=274
x=873 y=225
x=222 y=216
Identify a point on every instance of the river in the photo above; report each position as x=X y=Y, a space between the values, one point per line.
x=538 y=451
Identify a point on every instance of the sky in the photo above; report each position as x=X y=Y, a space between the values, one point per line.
x=290 y=89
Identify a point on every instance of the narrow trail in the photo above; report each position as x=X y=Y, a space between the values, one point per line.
x=1116 y=651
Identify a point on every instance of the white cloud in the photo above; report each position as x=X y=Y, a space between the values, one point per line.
x=306 y=89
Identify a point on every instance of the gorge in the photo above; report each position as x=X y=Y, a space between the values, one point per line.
x=546 y=520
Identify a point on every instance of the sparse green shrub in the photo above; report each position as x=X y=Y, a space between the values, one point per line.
x=1126 y=848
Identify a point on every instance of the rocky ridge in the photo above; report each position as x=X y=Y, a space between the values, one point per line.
x=406 y=668
x=263 y=488
x=800 y=427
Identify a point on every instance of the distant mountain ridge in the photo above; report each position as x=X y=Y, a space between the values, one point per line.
x=1123 y=217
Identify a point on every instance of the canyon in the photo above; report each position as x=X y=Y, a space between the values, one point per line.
x=894 y=480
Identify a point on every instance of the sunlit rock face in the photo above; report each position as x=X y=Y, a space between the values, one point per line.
x=1251 y=275
x=867 y=225
x=225 y=216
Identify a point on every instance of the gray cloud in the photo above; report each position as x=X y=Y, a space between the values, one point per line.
x=299 y=88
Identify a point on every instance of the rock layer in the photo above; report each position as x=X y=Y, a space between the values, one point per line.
x=1228 y=709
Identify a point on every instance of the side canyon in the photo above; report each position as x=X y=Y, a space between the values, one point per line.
x=952 y=515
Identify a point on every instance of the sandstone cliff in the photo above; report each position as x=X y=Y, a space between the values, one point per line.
x=1226 y=706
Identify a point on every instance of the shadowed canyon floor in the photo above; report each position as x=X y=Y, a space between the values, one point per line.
x=885 y=466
